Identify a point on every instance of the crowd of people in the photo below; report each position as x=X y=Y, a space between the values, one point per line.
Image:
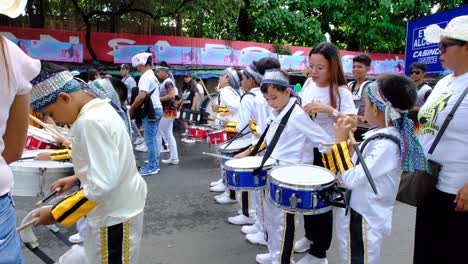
x=396 y=117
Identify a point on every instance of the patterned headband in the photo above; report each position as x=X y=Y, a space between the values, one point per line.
x=161 y=68
x=46 y=88
x=251 y=72
x=234 y=81
x=277 y=77
x=103 y=88
x=411 y=153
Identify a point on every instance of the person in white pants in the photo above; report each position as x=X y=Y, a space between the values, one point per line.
x=167 y=93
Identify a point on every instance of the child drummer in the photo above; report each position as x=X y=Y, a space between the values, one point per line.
x=389 y=149
x=295 y=146
x=113 y=193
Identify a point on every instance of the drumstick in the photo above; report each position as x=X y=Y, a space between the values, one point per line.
x=216 y=155
x=216 y=117
x=27 y=224
x=50 y=195
x=41 y=130
x=364 y=165
x=206 y=89
x=35 y=119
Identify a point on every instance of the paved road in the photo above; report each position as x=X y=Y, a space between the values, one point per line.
x=183 y=224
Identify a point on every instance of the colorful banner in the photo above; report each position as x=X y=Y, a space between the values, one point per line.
x=51 y=50
x=418 y=50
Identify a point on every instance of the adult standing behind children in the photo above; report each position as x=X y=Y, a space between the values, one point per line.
x=17 y=69
x=417 y=73
x=148 y=97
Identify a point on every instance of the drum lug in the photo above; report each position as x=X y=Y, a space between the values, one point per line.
x=235 y=179
x=278 y=195
x=293 y=200
x=256 y=181
x=314 y=200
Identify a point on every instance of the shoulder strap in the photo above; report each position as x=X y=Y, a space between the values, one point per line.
x=246 y=93
x=447 y=121
x=378 y=136
x=275 y=139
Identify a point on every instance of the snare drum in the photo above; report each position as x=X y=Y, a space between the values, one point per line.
x=33 y=177
x=235 y=147
x=302 y=189
x=219 y=136
x=239 y=173
x=37 y=139
x=198 y=132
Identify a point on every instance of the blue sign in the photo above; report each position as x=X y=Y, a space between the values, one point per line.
x=418 y=50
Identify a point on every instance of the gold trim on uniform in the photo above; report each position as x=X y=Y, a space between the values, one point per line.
x=126 y=242
x=72 y=208
x=104 y=253
x=366 y=242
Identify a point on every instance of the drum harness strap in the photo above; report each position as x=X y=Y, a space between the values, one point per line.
x=273 y=142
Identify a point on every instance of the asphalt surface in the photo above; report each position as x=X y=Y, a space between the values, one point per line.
x=184 y=225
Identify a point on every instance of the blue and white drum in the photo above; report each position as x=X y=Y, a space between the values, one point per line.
x=237 y=146
x=302 y=189
x=239 y=173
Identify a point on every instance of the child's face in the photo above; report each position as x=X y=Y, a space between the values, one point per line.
x=223 y=80
x=277 y=99
x=247 y=83
x=359 y=70
x=62 y=111
x=319 y=69
x=371 y=112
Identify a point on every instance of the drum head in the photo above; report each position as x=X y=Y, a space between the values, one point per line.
x=237 y=144
x=302 y=175
x=25 y=164
x=249 y=162
x=44 y=136
x=33 y=153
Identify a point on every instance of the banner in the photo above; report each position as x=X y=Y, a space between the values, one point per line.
x=51 y=50
x=418 y=50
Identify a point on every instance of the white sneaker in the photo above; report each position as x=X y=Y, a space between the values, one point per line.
x=250 y=229
x=189 y=141
x=164 y=150
x=225 y=200
x=263 y=258
x=241 y=220
x=138 y=141
x=257 y=238
x=302 y=245
x=142 y=148
x=170 y=161
x=310 y=259
x=221 y=195
x=218 y=188
x=76 y=238
x=216 y=182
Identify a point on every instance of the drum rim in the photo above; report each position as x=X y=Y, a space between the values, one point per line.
x=301 y=187
x=40 y=138
x=216 y=131
x=265 y=167
x=15 y=168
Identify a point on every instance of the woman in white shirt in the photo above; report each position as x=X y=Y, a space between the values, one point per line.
x=325 y=97
x=442 y=223
x=17 y=69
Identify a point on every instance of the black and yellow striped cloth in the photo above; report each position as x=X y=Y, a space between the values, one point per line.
x=253 y=128
x=72 y=208
x=262 y=147
x=223 y=110
x=60 y=154
x=231 y=126
x=338 y=159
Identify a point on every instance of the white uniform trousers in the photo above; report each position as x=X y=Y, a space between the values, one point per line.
x=119 y=243
x=165 y=130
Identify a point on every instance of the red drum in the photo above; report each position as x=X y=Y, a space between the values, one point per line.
x=37 y=139
x=219 y=136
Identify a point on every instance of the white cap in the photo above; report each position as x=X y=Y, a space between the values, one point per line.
x=457 y=28
x=140 y=59
x=12 y=8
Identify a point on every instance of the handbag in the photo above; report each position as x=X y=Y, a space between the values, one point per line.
x=416 y=187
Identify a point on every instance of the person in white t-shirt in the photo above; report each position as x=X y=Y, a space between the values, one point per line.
x=152 y=109
x=17 y=69
x=442 y=222
x=417 y=73
x=326 y=97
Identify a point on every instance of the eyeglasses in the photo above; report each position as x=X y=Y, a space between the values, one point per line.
x=444 y=45
x=415 y=72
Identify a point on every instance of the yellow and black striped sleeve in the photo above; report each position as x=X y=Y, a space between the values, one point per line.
x=338 y=159
x=72 y=208
x=224 y=110
x=60 y=154
x=232 y=126
x=260 y=149
x=253 y=127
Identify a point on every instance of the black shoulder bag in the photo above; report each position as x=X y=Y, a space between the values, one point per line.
x=148 y=108
x=416 y=187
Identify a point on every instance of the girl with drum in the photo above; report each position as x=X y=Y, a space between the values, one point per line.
x=325 y=97
x=387 y=151
x=294 y=146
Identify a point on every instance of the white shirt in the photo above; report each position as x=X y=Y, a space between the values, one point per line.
x=247 y=108
x=231 y=99
x=104 y=162
x=382 y=157
x=130 y=83
x=148 y=82
x=345 y=104
x=451 y=151
x=421 y=94
x=299 y=137
x=262 y=111
x=21 y=70
x=201 y=91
